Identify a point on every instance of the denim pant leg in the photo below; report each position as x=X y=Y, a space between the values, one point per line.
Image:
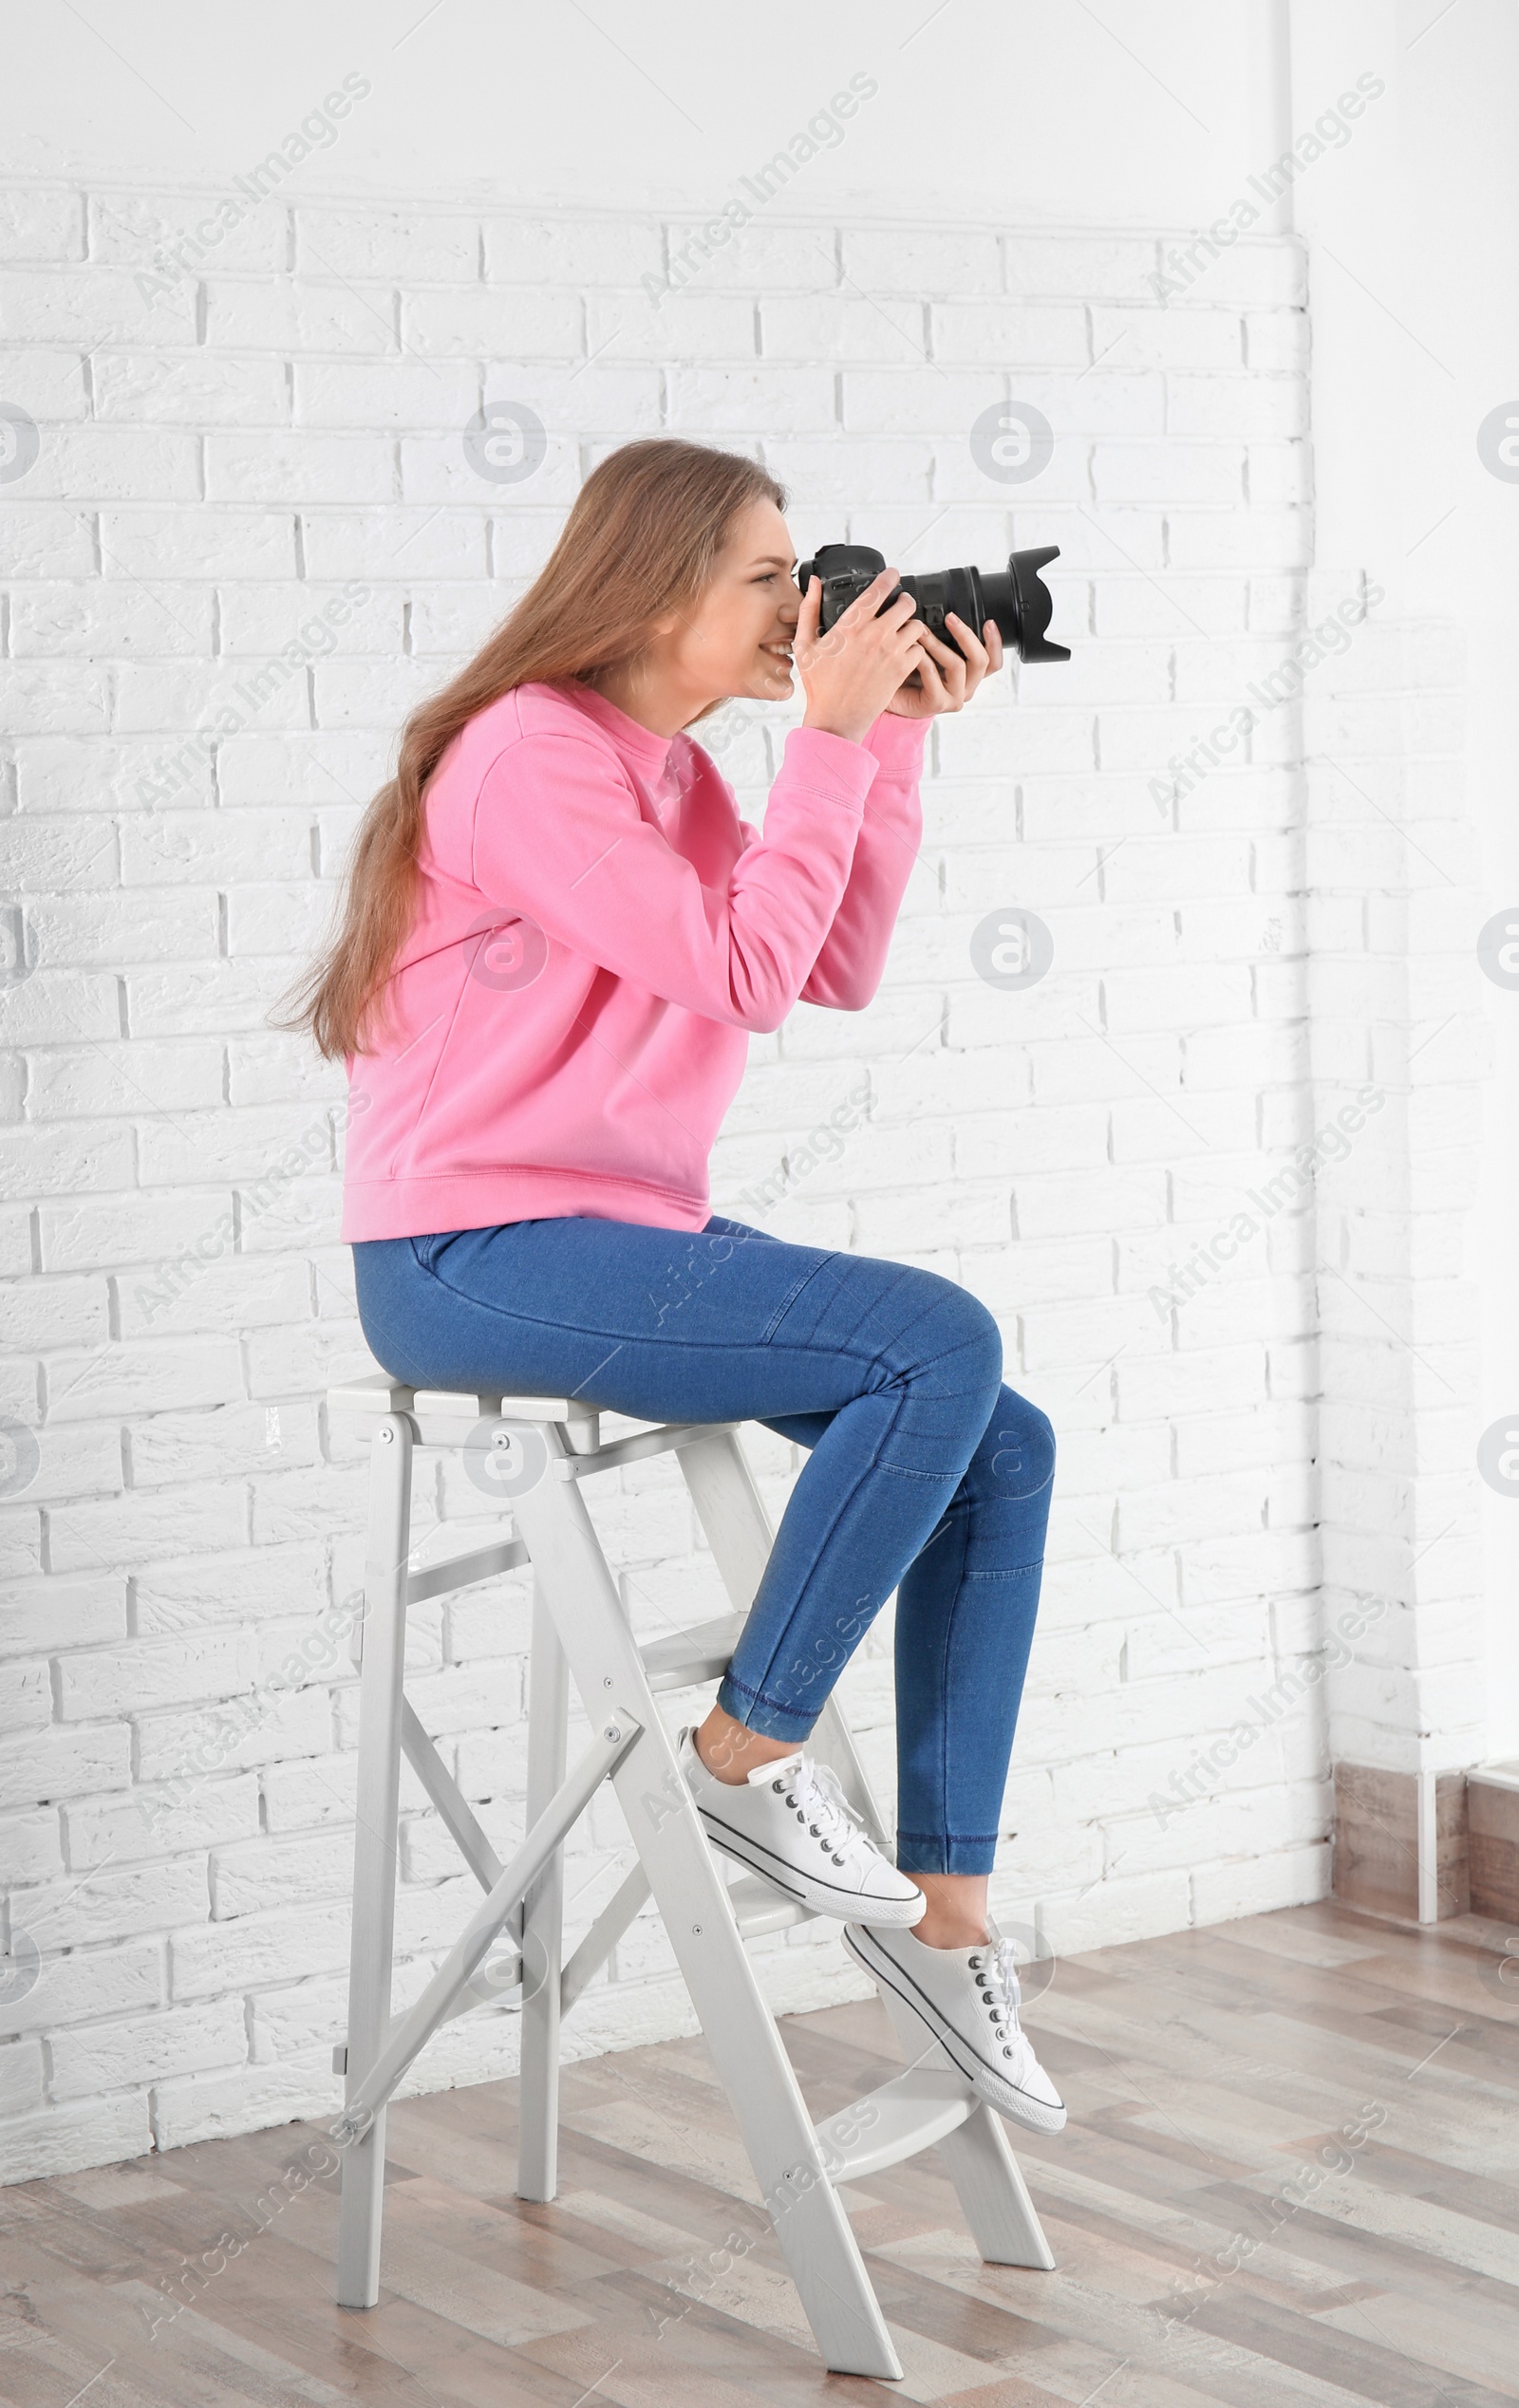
x=965 y=1609
x=894 y=1376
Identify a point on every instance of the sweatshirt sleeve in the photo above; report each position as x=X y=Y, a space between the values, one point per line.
x=848 y=969
x=559 y=837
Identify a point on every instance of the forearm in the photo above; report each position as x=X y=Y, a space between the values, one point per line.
x=851 y=961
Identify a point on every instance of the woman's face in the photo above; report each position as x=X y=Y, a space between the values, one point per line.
x=736 y=640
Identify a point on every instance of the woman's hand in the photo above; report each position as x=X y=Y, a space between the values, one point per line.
x=947 y=679
x=852 y=673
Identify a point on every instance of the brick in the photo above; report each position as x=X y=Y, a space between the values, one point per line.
x=394 y=245
x=39 y=224
x=258 y=1949
x=1253 y=274
x=49 y=381
x=21 y=1539
x=52 y=853
x=75 y=1082
x=1238 y=407
x=209 y=1664
x=105 y=462
x=105 y=931
x=923 y=259
x=492 y=324
x=1170 y=471
x=87 y=306
x=70 y=1462
x=252 y=1144
x=155 y=1822
x=1007 y=336
x=278 y=314
x=687 y=325
x=65 y=2140
x=187 y=1000
x=233 y=1585
x=280 y=1070
x=116 y=1903
x=40 y=1313
x=1238 y=538
x=143 y=1375
x=268 y=1874
x=297 y=466
x=570 y=251
x=149 y=232
x=765 y=257
x=1151 y=999
x=368 y=694
x=125 y=1229
x=43 y=699
x=842 y=326
x=108 y=2056
x=60 y=1764
x=25 y=1697
x=135 y=1529
x=101 y=618
x=190 y=1750
x=155 y=388
x=1136 y=337
x=790 y=399
x=1059 y=1204
x=72 y=1155
x=31 y=1850
x=393 y=541
x=309 y=1504
x=1079 y=268
x=215 y=849
x=46 y=1615
x=213 y=543
x=1277 y=341
x=294 y=1361
x=43 y=542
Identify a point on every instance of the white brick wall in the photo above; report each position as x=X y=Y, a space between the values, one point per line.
x=223 y=461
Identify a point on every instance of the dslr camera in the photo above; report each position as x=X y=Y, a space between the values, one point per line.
x=1015 y=597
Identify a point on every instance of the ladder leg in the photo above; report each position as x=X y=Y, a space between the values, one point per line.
x=1003 y=2218
x=820 y=2249
x=543 y=1915
x=374 y=1862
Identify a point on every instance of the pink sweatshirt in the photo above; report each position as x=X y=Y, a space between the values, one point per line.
x=597 y=933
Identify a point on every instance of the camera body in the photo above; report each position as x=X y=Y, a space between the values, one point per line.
x=1015 y=598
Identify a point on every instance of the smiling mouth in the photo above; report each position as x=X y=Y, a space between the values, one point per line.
x=777 y=652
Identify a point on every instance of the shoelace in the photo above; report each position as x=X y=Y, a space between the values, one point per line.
x=816 y=1792
x=995 y=1967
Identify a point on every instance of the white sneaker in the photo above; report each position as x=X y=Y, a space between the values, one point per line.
x=791 y=1822
x=968 y=2000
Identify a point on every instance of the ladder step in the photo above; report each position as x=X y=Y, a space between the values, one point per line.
x=911 y=2113
x=688 y=1657
x=760 y=1907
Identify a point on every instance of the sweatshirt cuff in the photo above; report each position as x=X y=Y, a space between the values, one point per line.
x=830 y=765
x=897 y=745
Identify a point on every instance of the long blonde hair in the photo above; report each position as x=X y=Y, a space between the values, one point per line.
x=640 y=541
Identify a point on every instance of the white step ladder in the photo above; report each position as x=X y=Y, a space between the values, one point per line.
x=548 y=1445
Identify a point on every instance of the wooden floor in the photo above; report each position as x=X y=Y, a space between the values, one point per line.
x=1291 y=2175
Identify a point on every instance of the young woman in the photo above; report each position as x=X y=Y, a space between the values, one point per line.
x=558 y=934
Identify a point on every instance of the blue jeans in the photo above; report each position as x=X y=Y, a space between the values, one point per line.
x=925 y=1474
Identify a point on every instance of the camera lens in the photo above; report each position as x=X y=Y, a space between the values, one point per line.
x=1015 y=598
